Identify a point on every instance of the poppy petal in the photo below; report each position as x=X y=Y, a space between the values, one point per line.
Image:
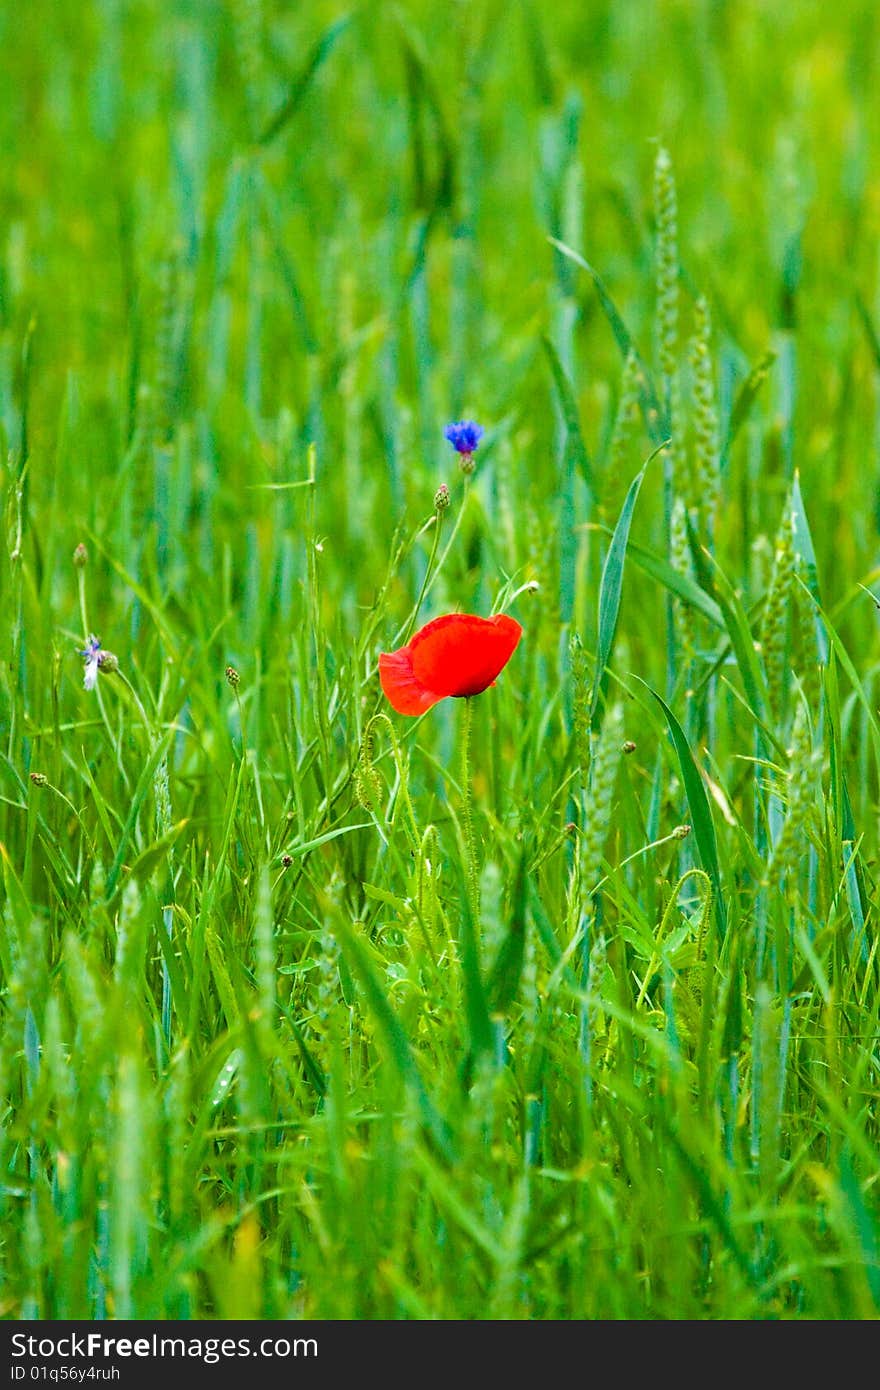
x=458 y=654
x=402 y=690
x=461 y=654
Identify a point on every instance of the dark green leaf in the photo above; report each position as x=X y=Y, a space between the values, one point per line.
x=612 y=583
x=303 y=80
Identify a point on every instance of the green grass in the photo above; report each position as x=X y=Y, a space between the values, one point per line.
x=266 y=1051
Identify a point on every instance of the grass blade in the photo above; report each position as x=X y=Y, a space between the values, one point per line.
x=140 y=794
x=745 y=399
x=395 y=1036
x=698 y=804
x=677 y=582
x=612 y=584
x=568 y=405
x=303 y=80
x=655 y=417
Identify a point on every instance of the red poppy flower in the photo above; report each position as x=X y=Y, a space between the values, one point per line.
x=458 y=654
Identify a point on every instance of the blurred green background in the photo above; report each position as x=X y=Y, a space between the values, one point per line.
x=378 y=261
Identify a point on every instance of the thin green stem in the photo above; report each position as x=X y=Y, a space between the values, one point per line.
x=162 y=795
x=137 y=703
x=473 y=880
x=81 y=587
x=458 y=520
x=406 y=632
x=87 y=635
x=49 y=787
x=243 y=750
x=433 y=569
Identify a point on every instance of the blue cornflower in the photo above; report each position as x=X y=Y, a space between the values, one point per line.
x=464 y=436
x=96 y=660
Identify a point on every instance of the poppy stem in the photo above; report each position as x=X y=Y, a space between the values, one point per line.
x=473 y=880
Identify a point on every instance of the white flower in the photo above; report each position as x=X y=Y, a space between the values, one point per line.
x=92 y=656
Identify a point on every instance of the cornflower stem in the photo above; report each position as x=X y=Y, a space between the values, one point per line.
x=84 y=614
x=473 y=881
x=433 y=568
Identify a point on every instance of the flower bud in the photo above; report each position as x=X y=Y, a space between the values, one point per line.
x=232 y=677
x=39 y=779
x=108 y=663
x=80 y=556
x=441 y=498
